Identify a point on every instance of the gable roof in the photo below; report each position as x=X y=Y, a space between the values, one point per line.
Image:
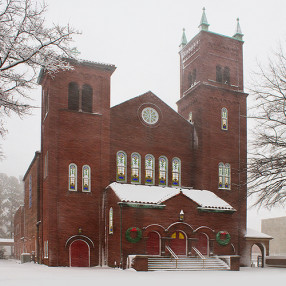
x=206 y=200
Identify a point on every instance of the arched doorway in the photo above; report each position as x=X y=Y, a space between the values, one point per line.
x=257 y=255
x=203 y=243
x=153 y=243
x=79 y=254
x=178 y=243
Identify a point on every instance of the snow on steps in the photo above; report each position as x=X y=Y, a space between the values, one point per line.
x=186 y=263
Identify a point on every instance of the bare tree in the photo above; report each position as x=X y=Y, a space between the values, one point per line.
x=267 y=162
x=26 y=45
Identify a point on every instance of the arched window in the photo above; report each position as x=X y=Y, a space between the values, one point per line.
x=224 y=173
x=194 y=75
x=72 y=177
x=176 y=172
x=218 y=74
x=86 y=178
x=163 y=171
x=135 y=168
x=227 y=176
x=149 y=169
x=220 y=175
x=73 y=96
x=121 y=159
x=226 y=75
x=224 y=119
x=86 y=105
x=110 y=221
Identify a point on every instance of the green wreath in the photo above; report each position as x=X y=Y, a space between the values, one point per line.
x=225 y=240
x=133 y=230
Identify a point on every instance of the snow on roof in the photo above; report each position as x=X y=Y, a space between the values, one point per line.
x=142 y=193
x=251 y=233
x=156 y=195
x=5 y=240
x=207 y=199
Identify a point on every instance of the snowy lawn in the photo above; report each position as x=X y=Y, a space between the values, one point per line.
x=12 y=273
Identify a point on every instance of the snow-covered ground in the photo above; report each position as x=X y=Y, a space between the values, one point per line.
x=12 y=273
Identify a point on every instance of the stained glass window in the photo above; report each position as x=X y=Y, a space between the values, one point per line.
x=72 y=177
x=163 y=171
x=227 y=176
x=176 y=172
x=121 y=159
x=224 y=174
x=149 y=169
x=224 y=119
x=111 y=221
x=135 y=168
x=86 y=178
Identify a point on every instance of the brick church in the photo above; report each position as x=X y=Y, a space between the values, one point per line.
x=120 y=185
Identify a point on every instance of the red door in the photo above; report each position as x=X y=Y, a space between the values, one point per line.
x=153 y=243
x=178 y=243
x=79 y=254
x=202 y=244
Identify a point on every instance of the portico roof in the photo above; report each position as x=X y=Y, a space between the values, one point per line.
x=142 y=194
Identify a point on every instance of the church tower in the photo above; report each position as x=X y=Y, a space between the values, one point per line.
x=212 y=98
x=75 y=147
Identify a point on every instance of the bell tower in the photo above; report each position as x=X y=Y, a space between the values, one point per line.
x=212 y=98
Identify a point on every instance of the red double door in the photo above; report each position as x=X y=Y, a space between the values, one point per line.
x=79 y=254
x=178 y=243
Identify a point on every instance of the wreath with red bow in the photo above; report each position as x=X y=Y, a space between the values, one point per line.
x=223 y=237
x=133 y=234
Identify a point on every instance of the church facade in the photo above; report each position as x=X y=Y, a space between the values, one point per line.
x=139 y=179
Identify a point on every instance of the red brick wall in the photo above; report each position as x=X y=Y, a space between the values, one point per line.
x=80 y=138
x=138 y=217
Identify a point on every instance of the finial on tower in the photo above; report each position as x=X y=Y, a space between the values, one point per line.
x=183 y=40
x=204 y=25
x=238 y=34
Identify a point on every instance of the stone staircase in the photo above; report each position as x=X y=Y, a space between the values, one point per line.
x=185 y=263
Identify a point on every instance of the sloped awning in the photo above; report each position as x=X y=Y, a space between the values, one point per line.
x=254 y=234
x=155 y=196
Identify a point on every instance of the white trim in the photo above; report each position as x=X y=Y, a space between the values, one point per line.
x=79 y=235
x=155 y=225
x=88 y=251
x=204 y=227
x=179 y=222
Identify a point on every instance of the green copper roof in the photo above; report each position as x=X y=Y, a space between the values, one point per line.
x=183 y=40
x=204 y=25
x=238 y=34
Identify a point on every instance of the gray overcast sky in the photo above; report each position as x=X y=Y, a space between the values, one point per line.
x=142 y=39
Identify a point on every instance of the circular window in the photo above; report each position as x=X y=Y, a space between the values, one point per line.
x=150 y=115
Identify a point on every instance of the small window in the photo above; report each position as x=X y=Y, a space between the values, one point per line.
x=135 y=168
x=224 y=173
x=218 y=74
x=224 y=119
x=190 y=79
x=86 y=178
x=73 y=96
x=110 y=221
x=149 y=169
x=30 y=191
x=86 y=98
x=163 y=171
x=176 y=172
x=226 y=75
x=46 y=166
x=121 y=159
x=72 y=177
x=46 y=249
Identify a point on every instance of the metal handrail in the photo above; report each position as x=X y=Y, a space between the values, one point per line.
x=173 y=254
x=200 y=255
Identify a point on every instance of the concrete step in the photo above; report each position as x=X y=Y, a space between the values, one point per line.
x=186 y=263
